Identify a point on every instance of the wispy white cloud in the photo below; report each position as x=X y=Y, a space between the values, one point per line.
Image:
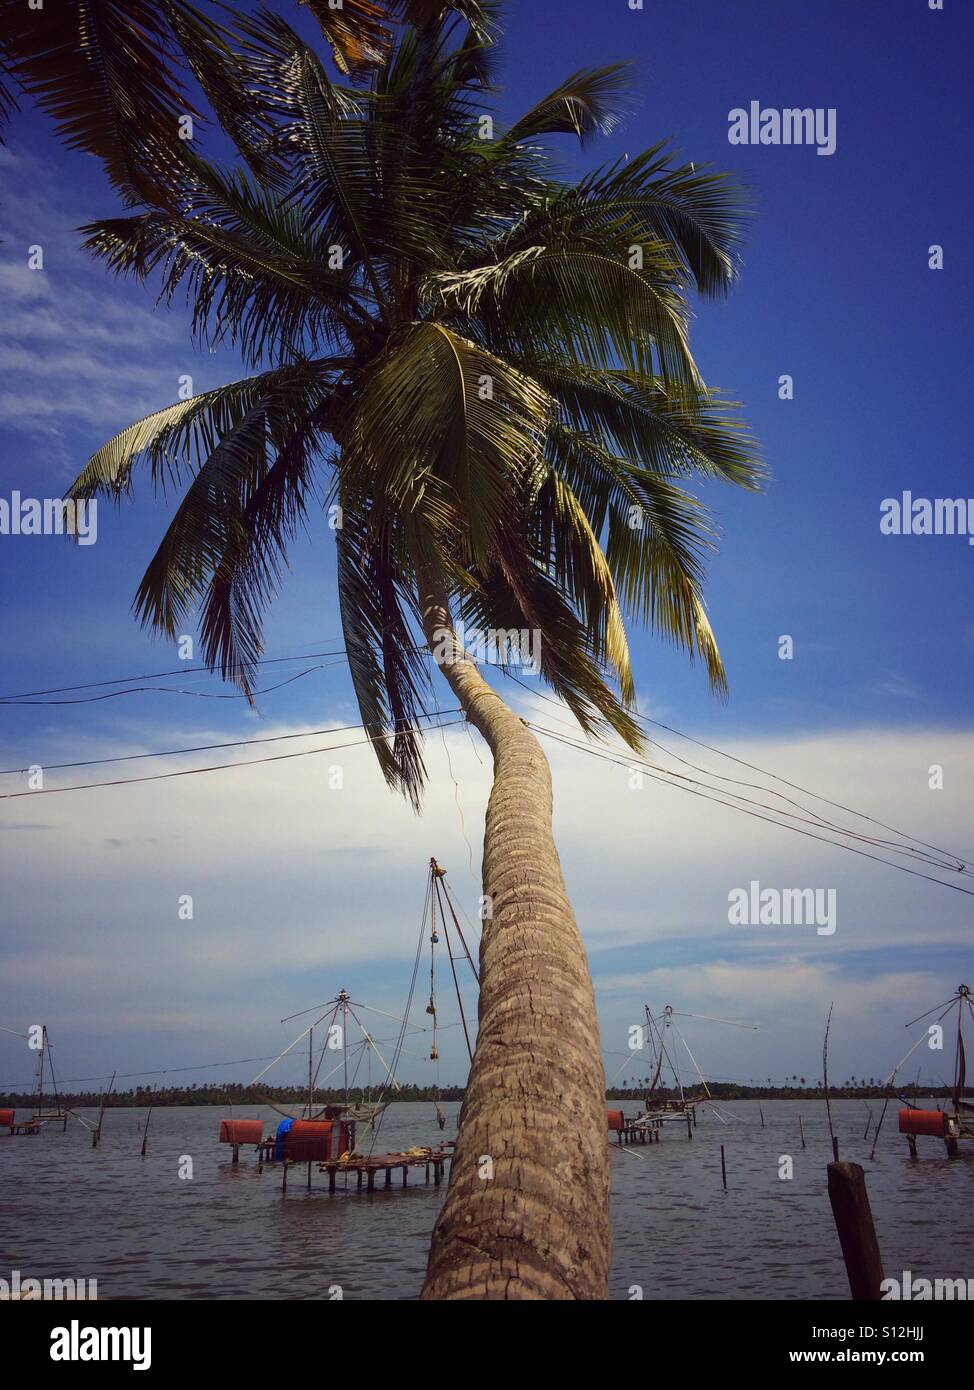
x=74 y=357
x=898 y=685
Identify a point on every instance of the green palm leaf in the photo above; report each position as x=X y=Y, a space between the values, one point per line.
x=590 y=102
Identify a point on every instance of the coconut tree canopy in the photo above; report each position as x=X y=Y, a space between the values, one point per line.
x=470 y=362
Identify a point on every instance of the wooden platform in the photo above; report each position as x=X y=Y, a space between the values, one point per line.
x=639 y=1131
x=368 y=1167
x=26 y=1127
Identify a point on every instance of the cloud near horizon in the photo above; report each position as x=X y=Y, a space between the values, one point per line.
x=299 y=889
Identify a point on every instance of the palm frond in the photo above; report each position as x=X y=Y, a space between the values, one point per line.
x=515 y=594
x=106 y=71
x=581 y=571
x=592 y=101
x=657 y=536
x=670 y=431
x=229 y=70
x=437 y=404
x=481 y=15
x=388 y=674
x=583 y=299
x=648 y=201
x=356 y=30
x=8 y=98
x=181 y=436
x=255 y=275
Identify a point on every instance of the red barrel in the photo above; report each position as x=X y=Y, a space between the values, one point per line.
x=6 y=1119
x=241 y=1131
x=309 y=1141
x=931 y=1122
x=614 y=1120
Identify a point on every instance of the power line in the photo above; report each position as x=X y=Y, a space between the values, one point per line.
x=813 y=817
x=160 y=675
x=654 y=771
x=960 y=861
x=816 y=819
x=217 y=767
x=959 y=865
x=169 y=690
x=28 y=697
x=200 y=748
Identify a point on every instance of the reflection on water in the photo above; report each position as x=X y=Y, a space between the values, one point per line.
x=142 y=1231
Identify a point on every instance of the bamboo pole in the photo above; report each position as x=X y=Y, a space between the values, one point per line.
x=453 y=968
x=825 y=1081
x=145 y=1132
x=96 y=1136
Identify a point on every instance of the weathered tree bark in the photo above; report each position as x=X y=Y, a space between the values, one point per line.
x=526 y=1215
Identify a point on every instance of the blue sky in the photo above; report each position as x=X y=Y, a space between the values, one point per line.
x=836 y=291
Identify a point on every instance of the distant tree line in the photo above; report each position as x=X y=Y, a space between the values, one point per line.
x=731 y=1090
x=235 y=1094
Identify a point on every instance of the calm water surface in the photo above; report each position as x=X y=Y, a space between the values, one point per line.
x=67 y=1210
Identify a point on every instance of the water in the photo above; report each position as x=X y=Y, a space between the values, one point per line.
x=67 y=1210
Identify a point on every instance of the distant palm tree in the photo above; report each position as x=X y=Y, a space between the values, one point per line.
x=483 y=370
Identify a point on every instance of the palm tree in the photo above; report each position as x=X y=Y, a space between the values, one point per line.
x=483 y=371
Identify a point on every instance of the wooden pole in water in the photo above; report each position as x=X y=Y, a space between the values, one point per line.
x=857 y=1234
x=761 y=1113
x=311 y=1087
x=723 y=1167
x=311 y=1062
x=40 y=1073
x=145 y=1132
x=801 y=1130
x=825 y=1082
x=96 y=1136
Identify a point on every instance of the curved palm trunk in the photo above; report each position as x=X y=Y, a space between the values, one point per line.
x=526 y=1214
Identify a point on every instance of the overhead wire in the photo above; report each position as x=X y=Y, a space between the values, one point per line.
x=753 y=767
x=202 y=747
x=658 y=773
x=194 y=771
